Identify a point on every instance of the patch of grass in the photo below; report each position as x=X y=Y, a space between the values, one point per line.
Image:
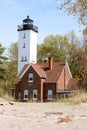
x=7 y=97
x=79 y=98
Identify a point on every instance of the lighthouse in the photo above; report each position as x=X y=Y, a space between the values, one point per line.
x=27 y=43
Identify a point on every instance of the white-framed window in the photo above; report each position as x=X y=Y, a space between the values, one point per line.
x=19 y=96
x=30 y=77
x=34 y=94
x=26 y=93
x=49 y=94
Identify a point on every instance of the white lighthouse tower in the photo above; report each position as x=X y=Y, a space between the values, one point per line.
x=27 y=43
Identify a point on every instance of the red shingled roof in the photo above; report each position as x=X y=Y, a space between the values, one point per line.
x=50 y=75
x=54 y=74
x=37 y=68
x=23 y=69
x=17 y=80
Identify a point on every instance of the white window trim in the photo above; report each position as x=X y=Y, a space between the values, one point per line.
x=26 y=92
x=34 y=91
x=19 y=96
x=50 y=92
x=30 y=77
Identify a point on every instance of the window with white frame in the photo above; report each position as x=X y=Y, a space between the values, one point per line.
x=34 y=94
x=19 y=96
x=30 y=77
x=49 y=94
x=26 y=92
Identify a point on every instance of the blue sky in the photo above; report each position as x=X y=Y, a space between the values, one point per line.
x=45 y=14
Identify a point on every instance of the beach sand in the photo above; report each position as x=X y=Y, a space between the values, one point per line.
x=42 y=116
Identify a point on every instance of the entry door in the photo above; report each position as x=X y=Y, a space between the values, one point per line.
x=26 y=92
x=49 y=94
x=34 y=94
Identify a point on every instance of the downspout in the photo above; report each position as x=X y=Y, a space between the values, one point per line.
x=64 y=77
x=56 y=90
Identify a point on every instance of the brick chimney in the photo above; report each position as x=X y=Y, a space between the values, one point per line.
x=50 y=63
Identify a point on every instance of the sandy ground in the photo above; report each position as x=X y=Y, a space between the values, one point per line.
x=42 y=116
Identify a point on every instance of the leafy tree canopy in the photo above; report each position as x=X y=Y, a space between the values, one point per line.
x=75 y=7
x=11 y=69
x=2 y=61
x=54 y=46
x=12 y=65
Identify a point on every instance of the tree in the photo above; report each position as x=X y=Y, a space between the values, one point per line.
x=54 y=46
x=75 y=7
x=83 y=68
x=2 y=62
x=83 y=60
x=12 y=66
x=85 y=37
x=73 y=51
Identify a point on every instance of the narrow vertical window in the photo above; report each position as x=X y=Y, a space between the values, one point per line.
x=24 y=36
x=49 y=94
x=34 y=94
x=26 y=92
x=24 y=45
x=25 y=58
x=19 y=96
x=22 y=58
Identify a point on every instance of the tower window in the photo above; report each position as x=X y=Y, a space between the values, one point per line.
x=24 y=36
x=22 y=58
x=25 y=58
x=24 y=45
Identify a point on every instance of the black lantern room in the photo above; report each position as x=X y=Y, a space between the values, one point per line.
x=27 y=25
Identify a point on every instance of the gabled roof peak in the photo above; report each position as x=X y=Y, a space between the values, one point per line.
x=36 y=67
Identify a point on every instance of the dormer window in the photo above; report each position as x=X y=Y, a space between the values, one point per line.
x=30 y=77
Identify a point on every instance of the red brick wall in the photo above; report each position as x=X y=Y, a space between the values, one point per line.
x=64 y=79
x=49 y=86
x=67 y=76
x=61 y=81
x=25 y=85
x=42 y=88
